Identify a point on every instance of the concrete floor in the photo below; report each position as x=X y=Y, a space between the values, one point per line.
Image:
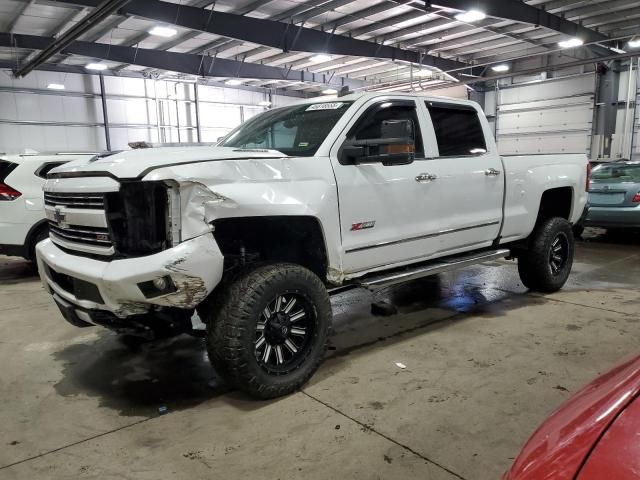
x=486 y=362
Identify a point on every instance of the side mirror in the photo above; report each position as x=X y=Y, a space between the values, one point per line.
x=396 y=146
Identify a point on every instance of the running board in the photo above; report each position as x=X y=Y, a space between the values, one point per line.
x=438 y=266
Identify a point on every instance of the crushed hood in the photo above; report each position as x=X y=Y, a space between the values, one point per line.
x=137 y=163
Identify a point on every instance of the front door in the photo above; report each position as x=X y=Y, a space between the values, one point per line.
x=388 y=214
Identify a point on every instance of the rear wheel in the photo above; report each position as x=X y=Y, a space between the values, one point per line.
x=547 y=263
x=268 y=331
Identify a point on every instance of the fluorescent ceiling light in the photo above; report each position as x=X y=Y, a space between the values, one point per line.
x=265 y=103
x=617 y=50
x=503 y=67
x=635 y=43
x=96 y=66
x=471 y=16
x=321 y=57
x=571 y=43
x=55 y=86
x=163 y=31
x=330 y=91
x=233 y=81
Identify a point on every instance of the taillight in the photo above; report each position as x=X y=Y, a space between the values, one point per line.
x=636 y=198
x=8 y=193
x=587 y=187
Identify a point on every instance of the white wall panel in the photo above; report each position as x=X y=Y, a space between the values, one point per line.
x=131 y=111
x=121 y=137
x=220 y=116
x=31 y=116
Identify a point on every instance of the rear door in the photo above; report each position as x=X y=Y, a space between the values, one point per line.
x=469 y=175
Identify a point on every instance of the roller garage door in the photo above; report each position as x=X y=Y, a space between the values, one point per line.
x=554 y=116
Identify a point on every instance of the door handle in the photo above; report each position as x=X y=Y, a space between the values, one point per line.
x=492 y=172
x=426 y=178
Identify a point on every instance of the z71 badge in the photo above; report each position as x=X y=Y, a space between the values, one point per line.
x=362 y=226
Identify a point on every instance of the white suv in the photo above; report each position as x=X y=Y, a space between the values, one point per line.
x=22 y=218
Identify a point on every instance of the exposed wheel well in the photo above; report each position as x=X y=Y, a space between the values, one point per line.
x=556 y=202
x=32 y=236
x=294 y=239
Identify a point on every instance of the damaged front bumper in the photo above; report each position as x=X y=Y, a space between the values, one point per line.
x=185 y=275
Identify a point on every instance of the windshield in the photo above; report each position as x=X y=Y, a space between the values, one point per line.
x=296 y=131
x=617 y=173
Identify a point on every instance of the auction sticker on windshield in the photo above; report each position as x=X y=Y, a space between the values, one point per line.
x=325 y=106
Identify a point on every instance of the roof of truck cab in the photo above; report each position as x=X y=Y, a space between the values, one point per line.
x=352 y=97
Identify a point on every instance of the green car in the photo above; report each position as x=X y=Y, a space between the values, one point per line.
x=614 y=196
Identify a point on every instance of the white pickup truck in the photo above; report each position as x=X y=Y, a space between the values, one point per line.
x=256 y=233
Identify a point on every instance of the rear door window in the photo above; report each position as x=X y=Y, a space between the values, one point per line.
x=5 y=169
x=618 y=173
x=458 y=130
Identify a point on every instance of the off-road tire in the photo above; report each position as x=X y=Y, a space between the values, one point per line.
x=232 y=320
x=535 y=264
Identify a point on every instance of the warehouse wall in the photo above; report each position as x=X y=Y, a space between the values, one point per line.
x=544 y=116
x=32 y=116
x=538 y=114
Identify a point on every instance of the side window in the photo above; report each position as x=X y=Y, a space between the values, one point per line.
x=370 y=125
x=458 y=130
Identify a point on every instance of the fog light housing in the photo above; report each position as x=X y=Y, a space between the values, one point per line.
x=157 y=287
x=160 y=283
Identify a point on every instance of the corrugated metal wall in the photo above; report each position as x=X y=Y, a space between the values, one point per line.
x=32 y=116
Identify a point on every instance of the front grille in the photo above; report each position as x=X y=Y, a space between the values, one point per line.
x=95 y=236
x=75 y=200
x=77 y=222
x=129 y=221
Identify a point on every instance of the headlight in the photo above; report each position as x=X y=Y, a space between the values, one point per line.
x=174 y=214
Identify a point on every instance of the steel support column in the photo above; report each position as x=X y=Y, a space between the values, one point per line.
x=196 y=98
x=105 y=114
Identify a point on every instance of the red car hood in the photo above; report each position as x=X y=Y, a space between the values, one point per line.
x=617 y=454
x=560 y=446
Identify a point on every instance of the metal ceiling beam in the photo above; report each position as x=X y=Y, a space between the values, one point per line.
x=270 y=33
x=55 y=46
x=178 y=62
x=521 y=12
x=62 y=68
x=12 y=23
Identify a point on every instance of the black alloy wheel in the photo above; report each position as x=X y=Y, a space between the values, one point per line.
x=283 y=332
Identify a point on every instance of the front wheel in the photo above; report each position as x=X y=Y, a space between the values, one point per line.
x=268 y=331
x=546 y=264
